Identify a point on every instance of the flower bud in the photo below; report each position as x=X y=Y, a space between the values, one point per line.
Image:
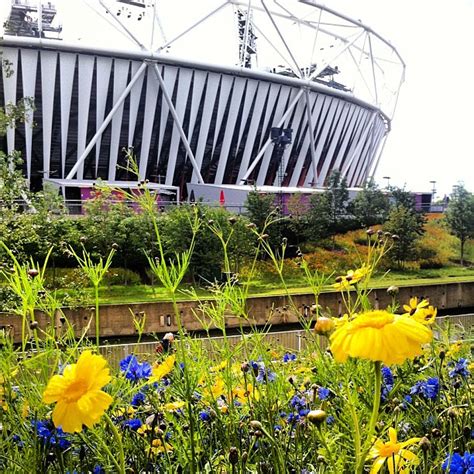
x=32 y=272
x=393 y=290
x=256 y=425
x=245 y=367
x=232 y=220
x=323 y=326
x=250 y=225
x=233 y=455
x=369 y=231
x=395 y=237
x=442 y=355
x=424 y=444
x=316 y=417
x=436 y=433
x=115 y=245
x=264 y=236
x=245 y=456
x=34 y=325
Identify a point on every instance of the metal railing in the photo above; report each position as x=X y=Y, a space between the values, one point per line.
x=292 y=340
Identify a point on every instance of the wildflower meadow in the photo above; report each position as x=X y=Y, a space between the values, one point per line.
x=374 y=389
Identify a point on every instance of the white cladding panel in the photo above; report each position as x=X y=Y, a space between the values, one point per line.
x=226 y=118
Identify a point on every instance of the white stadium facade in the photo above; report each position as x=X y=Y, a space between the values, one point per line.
x=199 y=125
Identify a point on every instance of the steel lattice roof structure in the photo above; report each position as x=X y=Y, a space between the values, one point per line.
x=197 y=103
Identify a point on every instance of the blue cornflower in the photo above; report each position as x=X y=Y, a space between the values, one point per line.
x=17 y=440
x=428 y=389
x=460 y=369
x=49 y=435
x=138 y=399
x=288 y=357
x=323 y=393
x=277 y=428
x=205 y=415
x=293 y=418
x=330 y=420
x=132 y=424
x=458 y=464
x=134 y=371
x=297 y=402
x=98 y=470
x=265 y=375
x=387 y=383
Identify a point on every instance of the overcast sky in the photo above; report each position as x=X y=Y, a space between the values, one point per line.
x=433 y=129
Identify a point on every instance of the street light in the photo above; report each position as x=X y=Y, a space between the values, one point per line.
x=433 y=190
x=388 y=181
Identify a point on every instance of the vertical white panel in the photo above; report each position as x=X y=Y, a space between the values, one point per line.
x=362 y=119
x=121 y=67
x=236 y=100
x=135 y=95
x=169 y=78
x=272 y=97
x=9 y=89
x=226 y=85
x=67 y=64
x=279 y=110
x=103 y=68
x=150 y=107
x=48 y=83
x=198 y=88
x=300 y=120
x=354 y=113
x=335 y=108
x=320 y=108
x=86 y=69
x=344 y=110
x=29 y=62
x=209 y=101
x=262 y=93
x=184 y=85
x=249 y=96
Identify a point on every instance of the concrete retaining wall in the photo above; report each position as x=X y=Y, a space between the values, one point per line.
x=117 y=320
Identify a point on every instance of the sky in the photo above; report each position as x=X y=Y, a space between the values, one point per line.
x=432 y=136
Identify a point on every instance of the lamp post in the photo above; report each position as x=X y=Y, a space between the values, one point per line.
x=388 y=181
x=433 y=189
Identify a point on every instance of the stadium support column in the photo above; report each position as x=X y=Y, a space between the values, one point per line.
x=106 y=122
x=177 y=123
x=314 y=158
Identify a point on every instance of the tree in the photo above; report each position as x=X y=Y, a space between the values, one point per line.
x=460 y=216
x=370 y=206
x=403 y=223
x=259 y=206
x=329 y=212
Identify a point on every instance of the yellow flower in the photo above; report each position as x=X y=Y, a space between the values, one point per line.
x=77 y=393
x=380 y=336
x=163 y=369
x=157 y=446
x=426 y=315
x=394 y=453
x=413 y=306
x=454 y=348
x=352 y=277
x=218 y=368
x=173 y=406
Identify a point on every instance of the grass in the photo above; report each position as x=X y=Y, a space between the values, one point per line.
x=147 y=293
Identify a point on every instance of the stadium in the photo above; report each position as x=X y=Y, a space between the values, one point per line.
x=272 y=94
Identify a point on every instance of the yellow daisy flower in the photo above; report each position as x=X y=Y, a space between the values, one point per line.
x=413 y=306
x=173 y=406
x=380 y=336
x=77 y=393
x=392 y=452
x=426 y=315
x=163 y=369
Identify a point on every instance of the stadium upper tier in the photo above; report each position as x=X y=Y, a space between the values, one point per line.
x=194 y=121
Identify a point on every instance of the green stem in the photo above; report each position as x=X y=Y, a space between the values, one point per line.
x=375 y=414
x=355 y=422
x=326 y=447
x=121 y=462
x=97 y=317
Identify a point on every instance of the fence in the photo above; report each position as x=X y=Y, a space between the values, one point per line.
x=293 y=340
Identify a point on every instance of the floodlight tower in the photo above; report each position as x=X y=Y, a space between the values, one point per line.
x=21 y=20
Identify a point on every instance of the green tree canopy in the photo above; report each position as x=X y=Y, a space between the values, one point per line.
x=460 y=216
